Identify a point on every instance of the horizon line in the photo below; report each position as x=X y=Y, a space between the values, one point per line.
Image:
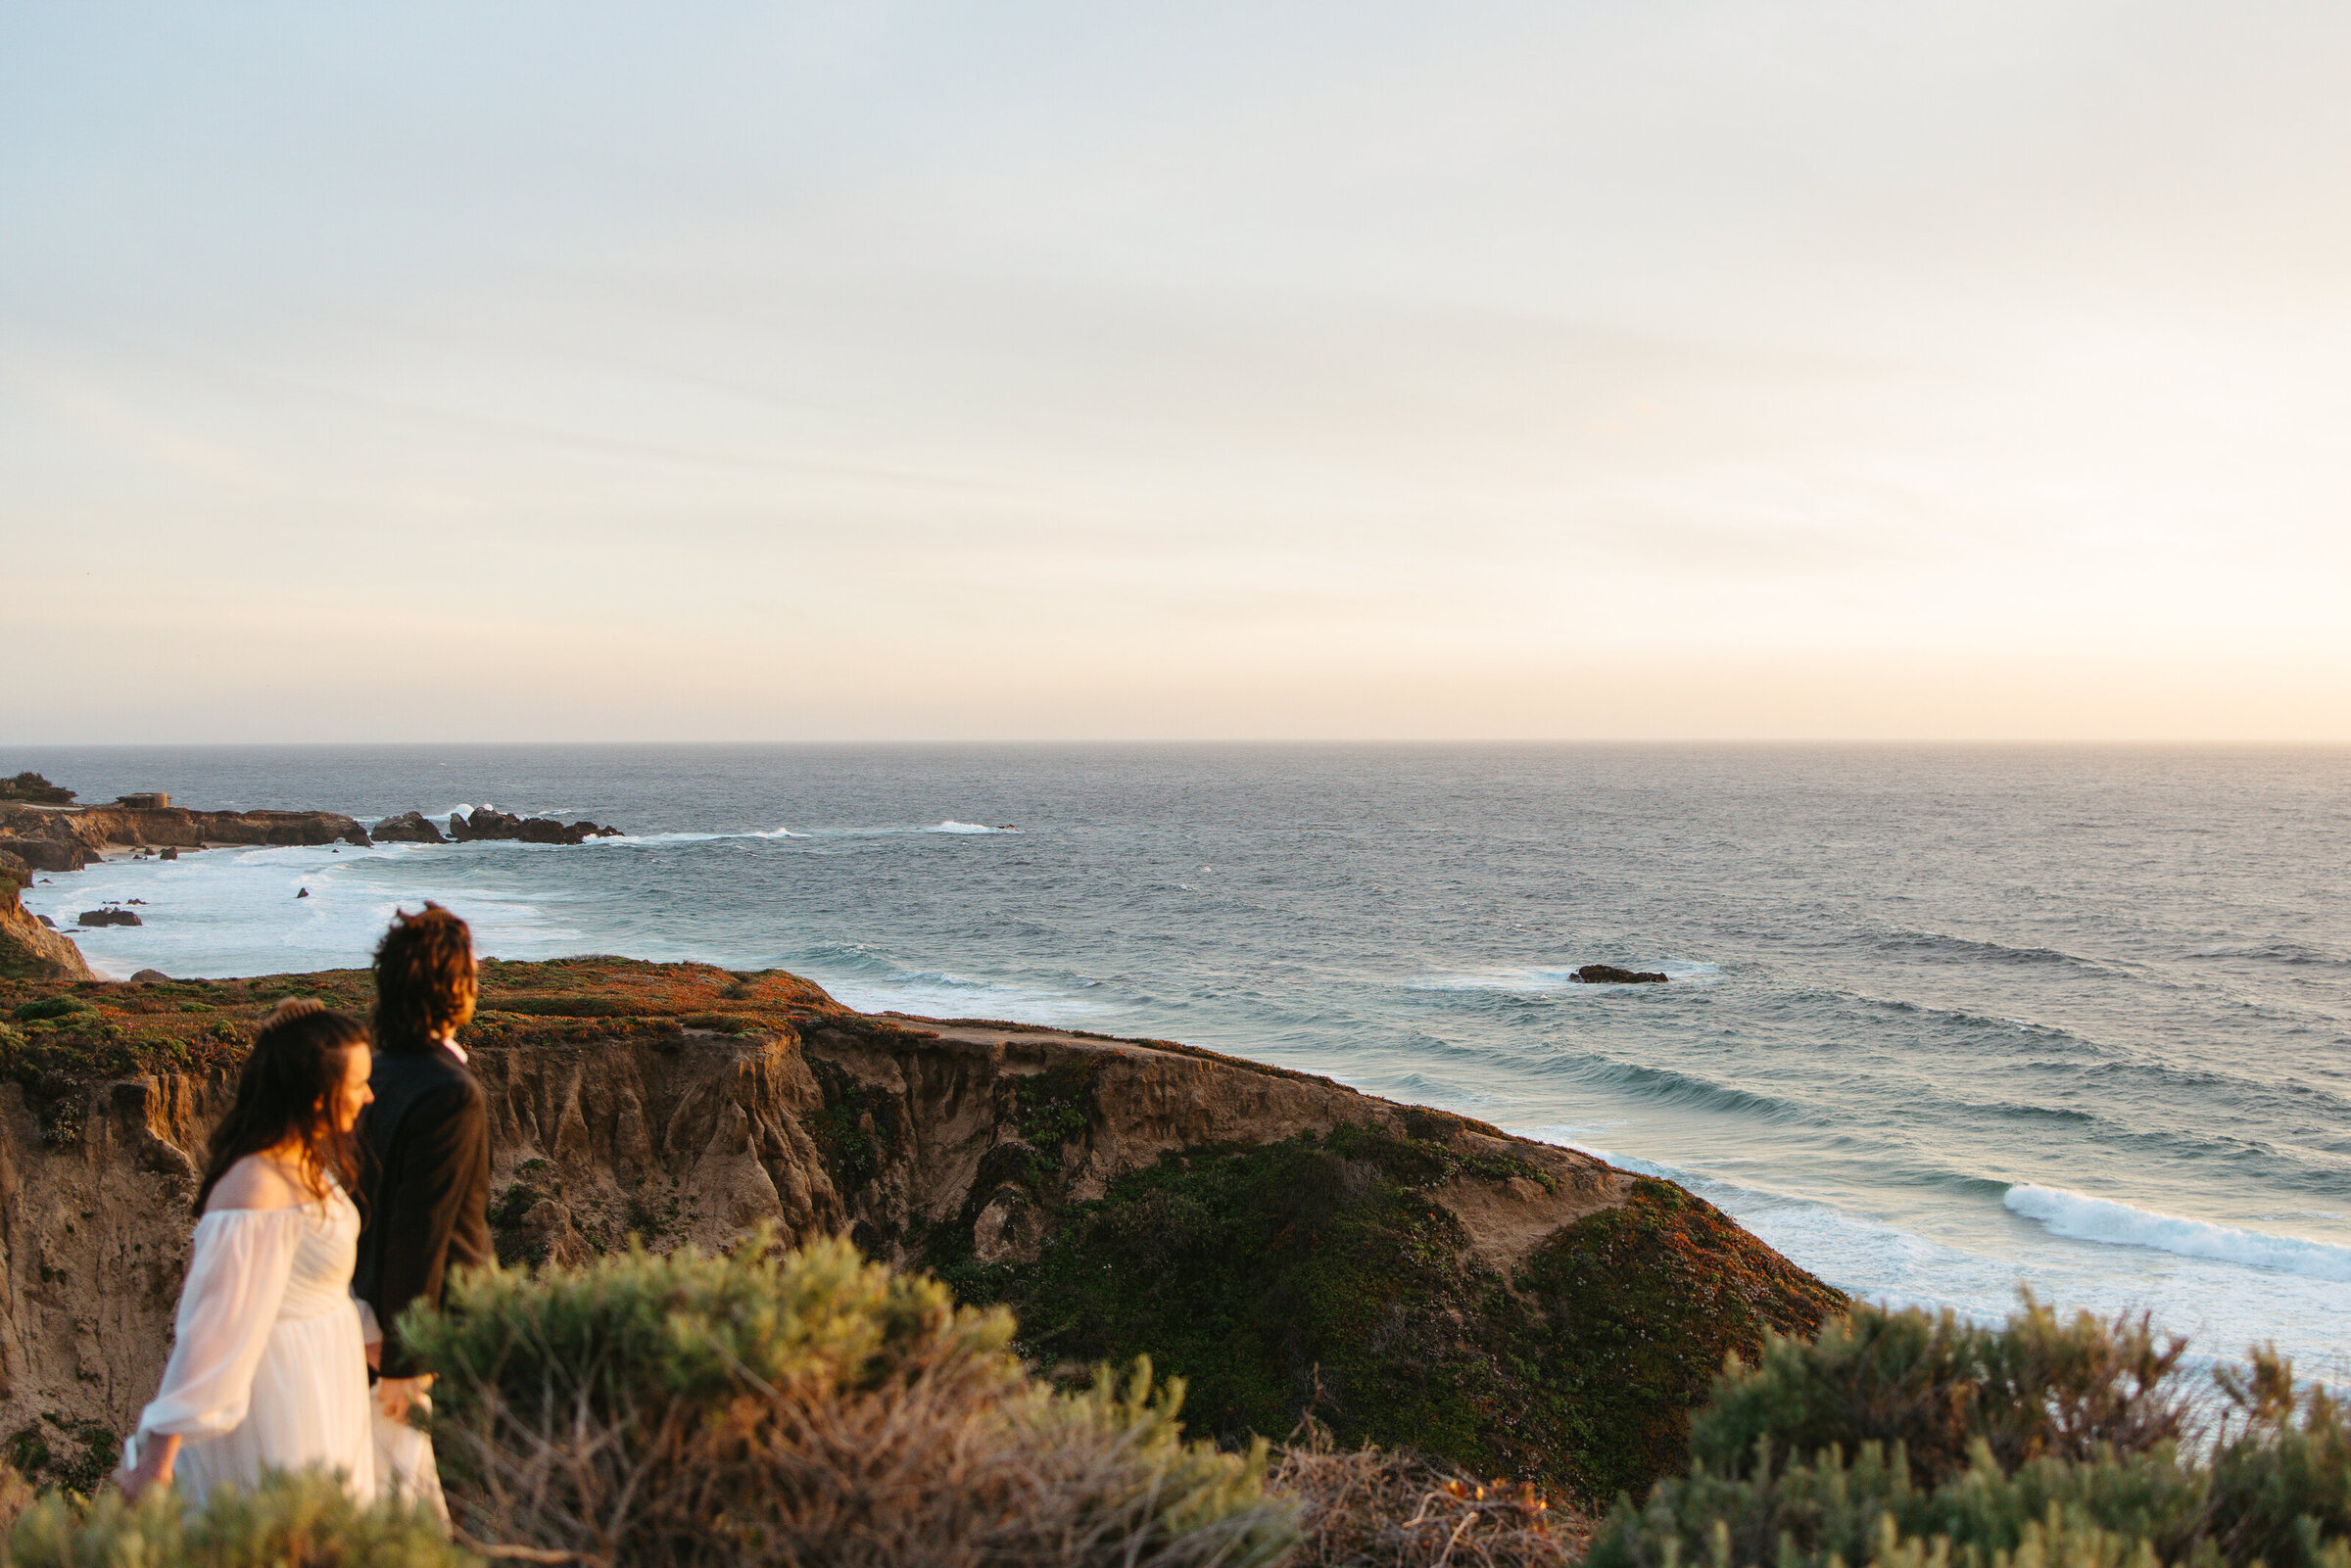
x=2106 y=743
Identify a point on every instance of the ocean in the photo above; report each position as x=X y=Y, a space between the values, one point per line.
x=1943 y=1022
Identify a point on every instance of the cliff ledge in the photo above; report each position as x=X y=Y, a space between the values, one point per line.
x=1288 y=1244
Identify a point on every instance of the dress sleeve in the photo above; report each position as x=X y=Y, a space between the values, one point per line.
x=236 y=1279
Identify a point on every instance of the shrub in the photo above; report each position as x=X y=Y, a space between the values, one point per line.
x=1370 y=1507
x=1937 y=1386
x=15 y=1496
x=32 y=786
x=304 y=1520
x=807 y=1408
x=2077 y=1453
x=1324 y=1275
x=2278 y=1483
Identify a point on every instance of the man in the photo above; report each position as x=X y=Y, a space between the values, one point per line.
x=427 y=1138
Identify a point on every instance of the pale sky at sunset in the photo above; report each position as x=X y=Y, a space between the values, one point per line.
x=1689 y=368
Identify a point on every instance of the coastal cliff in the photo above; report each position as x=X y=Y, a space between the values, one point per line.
x=50 y=837
x=1289 y=1246
x=29 y=950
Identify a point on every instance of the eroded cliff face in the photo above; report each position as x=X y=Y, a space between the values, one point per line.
x=680 y=1103
x=29 y=950
x=68 y=837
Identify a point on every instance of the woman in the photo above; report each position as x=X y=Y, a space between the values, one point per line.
x=269 y=1370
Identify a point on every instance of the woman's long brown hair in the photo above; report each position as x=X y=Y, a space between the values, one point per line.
x=286 y=1094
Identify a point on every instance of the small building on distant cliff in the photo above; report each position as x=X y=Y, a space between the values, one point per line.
x=152 y=802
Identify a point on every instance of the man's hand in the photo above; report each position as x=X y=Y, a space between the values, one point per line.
x=396 y=1396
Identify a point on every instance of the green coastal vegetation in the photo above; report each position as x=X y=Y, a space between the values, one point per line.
x=30 y=789
x=786 y=1406
x=1325 y=1261
x=1285 y=1352
x=1315 y=1281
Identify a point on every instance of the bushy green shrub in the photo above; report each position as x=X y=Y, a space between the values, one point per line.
x=2077 y=1453
x=807 y=1406
x=1940 y=1385
x=2282 y=1474
x=304 y=1520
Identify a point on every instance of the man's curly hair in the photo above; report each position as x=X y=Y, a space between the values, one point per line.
x=424 y=980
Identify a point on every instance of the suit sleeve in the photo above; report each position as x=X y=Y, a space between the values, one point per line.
x=444 y=1139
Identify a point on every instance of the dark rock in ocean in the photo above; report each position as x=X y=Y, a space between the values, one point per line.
x=1610 y=975
x=46 y=921
x=303 y=893
x=108 y=917
x=486 y=823
x=171 y=853
x=147 y=976
x=409 y=828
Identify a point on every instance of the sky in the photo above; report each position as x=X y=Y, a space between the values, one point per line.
x=1707 y=370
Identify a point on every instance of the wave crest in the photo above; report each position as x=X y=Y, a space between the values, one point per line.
x=2082 y=1218
x=1943 y=947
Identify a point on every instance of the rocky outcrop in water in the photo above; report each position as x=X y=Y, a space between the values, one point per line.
x=107 y=917
x=68 y=839
x=409 y=828
x=486 y=823
x=1609 y=974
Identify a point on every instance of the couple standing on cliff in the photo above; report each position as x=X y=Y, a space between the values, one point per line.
x=349 y=1179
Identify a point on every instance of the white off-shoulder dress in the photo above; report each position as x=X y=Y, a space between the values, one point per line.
x=269 y=1369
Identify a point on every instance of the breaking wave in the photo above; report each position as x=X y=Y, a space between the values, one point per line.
x=2082 y=1218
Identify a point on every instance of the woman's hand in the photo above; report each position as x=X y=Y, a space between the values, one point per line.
x=396 y=1396
x=158 y=1452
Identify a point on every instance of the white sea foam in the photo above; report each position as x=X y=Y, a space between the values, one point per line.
x=642 y=839
x=2082 y=1218
x=943 y=995
x=954 y=827
x=236 y=911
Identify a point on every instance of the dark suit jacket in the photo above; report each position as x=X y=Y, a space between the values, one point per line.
x=428 y=1139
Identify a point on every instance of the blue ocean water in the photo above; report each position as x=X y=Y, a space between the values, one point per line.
x=1942 y=1020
